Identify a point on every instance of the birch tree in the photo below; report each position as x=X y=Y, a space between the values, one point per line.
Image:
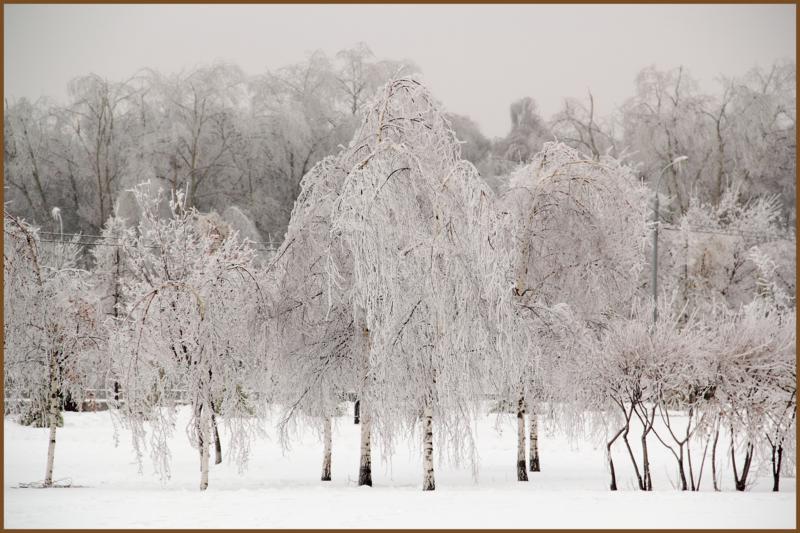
x=570 y=232
x=312 y=330
x=415 y=218
x=50 y=325
x=406 y=219
x=192 y=324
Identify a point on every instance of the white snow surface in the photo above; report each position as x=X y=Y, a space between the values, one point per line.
x=282 y=490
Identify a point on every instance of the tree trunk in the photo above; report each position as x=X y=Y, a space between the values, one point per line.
x=198 y=426
x=648 y=427
x=714 y=459
x=691 y=469
x=648 y=481
x=534 y=442
x=639 y=478
x=741 y=480
x=777 y=458
x=522 y=471
x=696 y=486
x=326 y=453
x=682 y=471
x=611 y=461
x=217 y=443
x=53 y=419
x=204 y=457
x=365 y=464
x=613 y=485
x=356 y=411
x=362 y=348
x=427 y=450
x=687 y=441
x=115 y=310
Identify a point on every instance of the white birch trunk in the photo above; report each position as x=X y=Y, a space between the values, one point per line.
x=204 y=456
x=428 y=482
x=217 y=443
x=361 y=345
x=520 y=288
x=365 y=463
x=522 y=471
x=53 y=419
x=198 y=426
x=534 y=442
x=326 y=454
x=521 y=267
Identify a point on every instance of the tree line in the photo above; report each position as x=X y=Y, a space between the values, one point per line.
x=220 y=136
x=406 y=280
x=227 y=138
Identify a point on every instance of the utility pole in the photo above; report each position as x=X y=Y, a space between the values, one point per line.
x=654 y=281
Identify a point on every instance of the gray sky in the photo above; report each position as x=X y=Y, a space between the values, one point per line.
x=476 y=59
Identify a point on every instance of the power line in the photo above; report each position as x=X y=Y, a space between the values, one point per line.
x=271 y=246
x=120 y=245
x=732 y=233
x=734 y=230
x=117 y=245
x=86 y=235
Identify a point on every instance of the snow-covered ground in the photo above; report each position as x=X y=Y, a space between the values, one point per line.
x=282 y=490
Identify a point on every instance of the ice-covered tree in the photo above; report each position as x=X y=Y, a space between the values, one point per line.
x=761 y=145
x=101 y=122
x=580 y=126
x=311 y=324
x=359 y=75
x=197 y=127
x=50 y=325
x=108 y=277
x=718 y=261
x=709 y=255
x=665 y=120
x=415 y=218
x=571 y=232
x=756 y=388
x=656 y=379
x=24 y=155
x=405 y=219
x=193 y=323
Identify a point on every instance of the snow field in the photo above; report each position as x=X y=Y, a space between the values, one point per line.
x=282 y=490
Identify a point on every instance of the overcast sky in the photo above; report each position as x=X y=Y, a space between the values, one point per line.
x=476 y=59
